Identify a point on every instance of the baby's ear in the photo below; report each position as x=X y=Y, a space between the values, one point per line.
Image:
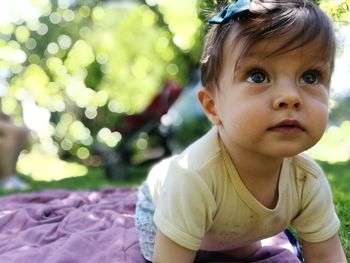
x=207 y=101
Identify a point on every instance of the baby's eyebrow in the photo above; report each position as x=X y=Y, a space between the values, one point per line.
x=247 y=61
x=323 y=64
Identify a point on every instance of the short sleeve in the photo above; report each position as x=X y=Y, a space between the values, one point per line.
x=185 y=208
x=317 y=220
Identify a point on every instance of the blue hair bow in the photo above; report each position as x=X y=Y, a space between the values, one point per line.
x=232 y=11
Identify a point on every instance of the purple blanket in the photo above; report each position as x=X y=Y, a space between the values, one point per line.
x=68 y=227
x=61 y=226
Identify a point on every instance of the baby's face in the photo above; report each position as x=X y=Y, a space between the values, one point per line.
x=274 y=105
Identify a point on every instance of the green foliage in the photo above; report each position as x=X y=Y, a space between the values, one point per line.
x=338 y=10
x=87 y=63
x=207 y=8
x=335 y=144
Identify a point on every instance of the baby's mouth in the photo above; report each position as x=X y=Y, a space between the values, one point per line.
x=291 y=127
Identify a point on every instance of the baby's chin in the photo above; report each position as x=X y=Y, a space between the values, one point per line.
x=290 y=152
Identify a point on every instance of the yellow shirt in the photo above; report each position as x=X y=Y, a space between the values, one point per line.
x=201 y=201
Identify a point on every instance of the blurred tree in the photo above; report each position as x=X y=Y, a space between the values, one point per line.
x=84 y=63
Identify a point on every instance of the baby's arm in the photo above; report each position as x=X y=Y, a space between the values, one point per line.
x=329 y=251
x=166 y=250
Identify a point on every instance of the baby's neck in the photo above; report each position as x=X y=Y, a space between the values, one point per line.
x=261 y=178
x=256 y=166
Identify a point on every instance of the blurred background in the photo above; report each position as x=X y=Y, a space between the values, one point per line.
x=74 y=71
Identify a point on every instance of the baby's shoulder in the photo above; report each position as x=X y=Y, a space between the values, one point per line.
x=201 y=153
x=304 y=165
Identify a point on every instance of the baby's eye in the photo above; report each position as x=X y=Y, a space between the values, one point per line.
x=309 y=78
x=257 y=76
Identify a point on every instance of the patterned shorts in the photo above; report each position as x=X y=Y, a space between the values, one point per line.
x=144 y=221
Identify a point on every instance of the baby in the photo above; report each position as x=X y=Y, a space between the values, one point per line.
x=266 y=70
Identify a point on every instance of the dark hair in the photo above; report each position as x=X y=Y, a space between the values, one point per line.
x=299 y=21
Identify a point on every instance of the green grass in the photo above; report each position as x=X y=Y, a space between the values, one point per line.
x=342 y=203
x=338 y=174
x=95 y=179
x=339 y=177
